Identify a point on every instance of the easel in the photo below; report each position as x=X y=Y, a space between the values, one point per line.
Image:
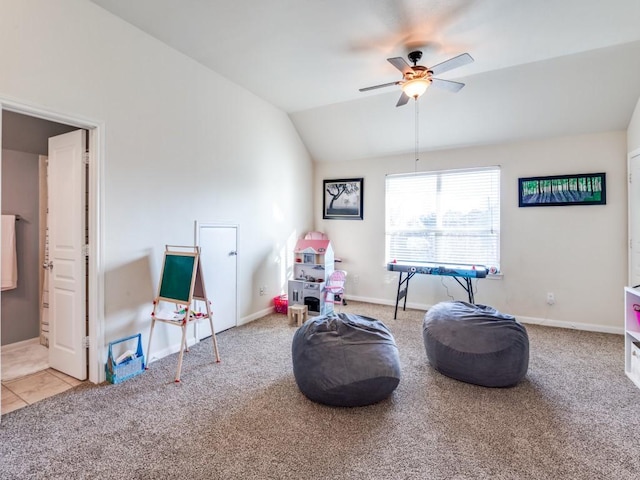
x=181 y=283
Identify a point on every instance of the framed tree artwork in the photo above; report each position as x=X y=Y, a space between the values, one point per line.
x=580 y=189
x=343 y=199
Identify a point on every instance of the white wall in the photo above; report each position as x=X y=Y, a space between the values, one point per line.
x=182 y=144
x=577 y=252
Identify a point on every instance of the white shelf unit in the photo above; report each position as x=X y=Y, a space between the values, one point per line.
x=632 y=335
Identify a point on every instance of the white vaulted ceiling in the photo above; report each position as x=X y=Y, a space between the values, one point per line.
x=542 y=67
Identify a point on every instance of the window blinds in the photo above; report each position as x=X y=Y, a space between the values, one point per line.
x=450 y=216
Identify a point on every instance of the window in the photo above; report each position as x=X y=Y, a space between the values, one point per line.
x=450 y=216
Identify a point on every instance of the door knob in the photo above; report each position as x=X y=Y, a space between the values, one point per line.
x=47 y=265
x=232 y=253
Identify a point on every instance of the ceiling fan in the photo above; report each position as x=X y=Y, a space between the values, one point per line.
x=416 y=79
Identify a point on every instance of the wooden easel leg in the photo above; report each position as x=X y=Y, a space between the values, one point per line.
x=213 y=335
x=153 y=324
x=182 y=349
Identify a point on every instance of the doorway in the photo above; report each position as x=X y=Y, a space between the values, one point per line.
x=16 y=134
x=219 y=253
x=43 y=197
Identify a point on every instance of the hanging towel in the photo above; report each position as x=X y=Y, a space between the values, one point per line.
x=9 y=260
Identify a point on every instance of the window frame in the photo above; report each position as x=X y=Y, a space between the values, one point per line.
x=486 y=223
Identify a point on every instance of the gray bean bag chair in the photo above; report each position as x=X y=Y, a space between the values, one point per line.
x=476 y=344
x=345 y=360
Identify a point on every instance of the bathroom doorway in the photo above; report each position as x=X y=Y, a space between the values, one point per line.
x=27 y=131
x=25 y=317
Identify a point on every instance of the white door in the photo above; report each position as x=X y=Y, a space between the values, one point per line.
x=218 y=257
x=67 y=237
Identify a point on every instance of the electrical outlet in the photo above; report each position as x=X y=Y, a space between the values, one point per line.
x=551 y=298
x=263 y=290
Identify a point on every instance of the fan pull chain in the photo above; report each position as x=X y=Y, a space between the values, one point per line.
x=417 y=132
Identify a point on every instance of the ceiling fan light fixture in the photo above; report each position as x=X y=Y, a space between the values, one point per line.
x=416 y=87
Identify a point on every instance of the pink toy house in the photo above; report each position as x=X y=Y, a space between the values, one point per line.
x=313 y=264
x=313 y=260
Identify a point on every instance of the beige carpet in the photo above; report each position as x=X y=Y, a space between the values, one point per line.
x=575 y=416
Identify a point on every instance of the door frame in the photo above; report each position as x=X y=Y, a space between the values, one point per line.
x=631 y=158
x=95 y=270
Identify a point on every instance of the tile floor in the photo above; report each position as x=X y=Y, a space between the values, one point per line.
x=26 y=376
x=23 y=391
x=23 y=358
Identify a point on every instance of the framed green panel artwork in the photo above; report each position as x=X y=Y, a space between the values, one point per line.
x=559 y=190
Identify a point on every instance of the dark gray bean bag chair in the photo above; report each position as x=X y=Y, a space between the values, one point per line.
x=345 y=360
x=476 y=344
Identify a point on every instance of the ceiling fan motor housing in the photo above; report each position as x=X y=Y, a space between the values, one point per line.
x=415 y=56
x=417 y=71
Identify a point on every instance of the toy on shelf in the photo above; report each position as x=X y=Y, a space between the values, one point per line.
x=335 y=287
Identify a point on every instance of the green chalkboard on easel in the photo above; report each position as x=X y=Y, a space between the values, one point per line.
x=178 y=276
x=181 y=282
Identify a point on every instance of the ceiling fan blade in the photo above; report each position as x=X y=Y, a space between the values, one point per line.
x=455 y=62
x=447 y=84
x=401 y=64
x=404 y=98
x=366 y=89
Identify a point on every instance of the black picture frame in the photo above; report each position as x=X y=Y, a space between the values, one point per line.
x=342 y=199
x=561 y=190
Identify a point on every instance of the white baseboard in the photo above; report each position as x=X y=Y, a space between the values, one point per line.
x=547 y=322
x=378 y=301
x=256 y=315
x=158 y=354
x=17 y=345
